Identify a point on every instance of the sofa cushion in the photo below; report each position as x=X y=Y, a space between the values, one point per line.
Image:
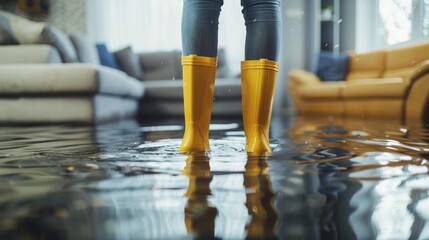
x=332 y=67
x=25 y=54
x=61 y=42
x=128 y=62
x=399 y=62
x=161 y=65
x=60 y=79
x=385 y=88
x=106 y=57
x=85 y=49
x=326 y=90
x=366 y=65
x=18 y=30
x=66 y=109
x=222 y=69
x=225 y=88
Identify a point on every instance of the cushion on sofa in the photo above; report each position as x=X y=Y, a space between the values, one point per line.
x=164 y=65
x=106 y=57
x=60 y=40
x=25 y=54
x=85 y=49
x=332 y=67
x=401 y=61
x=18 y=30
x=167 y=65
x=387 y=88
x=223 y=69
x=366 y=65
x=60 y=79
x=129 y=62
x=226 y=88
x=327 y=90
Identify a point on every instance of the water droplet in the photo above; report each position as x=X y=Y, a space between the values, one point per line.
x=254 y=20
x=337 y=45
x=404 y=130
x=339 y=21
x=229 y=90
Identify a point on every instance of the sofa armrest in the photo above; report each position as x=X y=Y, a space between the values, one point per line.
x=24 y=54
x=302 y=77
x=416 y=95
x=418 y=71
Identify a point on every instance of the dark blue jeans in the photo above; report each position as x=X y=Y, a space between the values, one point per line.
x=263 y=28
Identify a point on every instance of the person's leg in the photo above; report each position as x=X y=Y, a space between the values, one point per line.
x=200 y=22
x=199 y=40
x=259 y=71
x=263 y=29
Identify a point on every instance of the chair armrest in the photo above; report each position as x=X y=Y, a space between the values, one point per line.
x=25 y=54
x=302 y=77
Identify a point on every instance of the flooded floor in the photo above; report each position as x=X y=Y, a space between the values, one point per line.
x=326 y=179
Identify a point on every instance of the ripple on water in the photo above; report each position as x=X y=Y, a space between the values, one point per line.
x=130 y=179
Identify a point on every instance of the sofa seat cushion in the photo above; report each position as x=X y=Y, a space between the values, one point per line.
x=26 y=54
x=325 y=90
x=386 y=88
x=225 y=88
x=66 y=109
x=60 y=79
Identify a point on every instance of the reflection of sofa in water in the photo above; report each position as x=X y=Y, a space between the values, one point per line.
x=163 y=82
x=387 y=84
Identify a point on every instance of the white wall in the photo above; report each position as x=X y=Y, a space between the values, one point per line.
x=68 y=15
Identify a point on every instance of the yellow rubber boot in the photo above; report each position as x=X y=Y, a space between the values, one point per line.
x=199 y=74
x=258 y=83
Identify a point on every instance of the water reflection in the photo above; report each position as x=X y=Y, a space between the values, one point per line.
x=199 y=213
x=259 y=199
x=327 y=179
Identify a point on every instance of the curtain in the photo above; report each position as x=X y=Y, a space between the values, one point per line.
x=154 y=25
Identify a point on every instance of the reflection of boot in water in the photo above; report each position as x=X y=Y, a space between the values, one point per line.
x=199 y=214
x=259 y=199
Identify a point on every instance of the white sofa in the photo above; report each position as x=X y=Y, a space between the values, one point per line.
x=48 y=76
x=37 y=87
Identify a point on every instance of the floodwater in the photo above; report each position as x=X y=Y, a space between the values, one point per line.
x=326 y=179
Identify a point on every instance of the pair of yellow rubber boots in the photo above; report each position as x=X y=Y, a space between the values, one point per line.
x=258 y=80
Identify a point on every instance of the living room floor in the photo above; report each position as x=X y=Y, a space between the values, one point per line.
x=327 y=178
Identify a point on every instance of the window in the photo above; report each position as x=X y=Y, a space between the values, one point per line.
x=426 y=18
x=154 y=25
x=400 y=21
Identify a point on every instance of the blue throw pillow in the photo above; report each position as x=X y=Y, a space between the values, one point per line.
x=106 y=58
x=332 y=67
